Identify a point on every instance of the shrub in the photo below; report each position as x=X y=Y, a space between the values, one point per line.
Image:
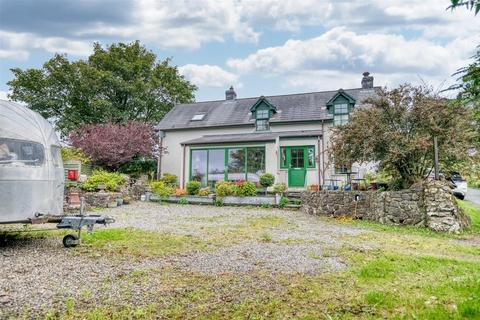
x=70 y=153
x=267 y=180
x=203 y=192
x=224 y=188
x=283 y=202
x=139 y=166
x=179 y=192
x=193 y=187
x=112 y=145
x=245 y=189
x=280 y=188
x=218 y=202
x=183 y=201
x=112 y=181
x=160 y=189
x=169 y=179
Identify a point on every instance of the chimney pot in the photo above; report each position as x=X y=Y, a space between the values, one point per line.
x=230 y=94
x=367 y=80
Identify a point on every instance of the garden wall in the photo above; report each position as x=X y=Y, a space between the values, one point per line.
x=431 y=205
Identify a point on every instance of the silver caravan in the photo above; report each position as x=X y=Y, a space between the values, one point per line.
x=31 y=168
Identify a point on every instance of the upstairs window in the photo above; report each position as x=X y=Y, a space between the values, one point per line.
x=262 y=125
x=263 y=114
x=340 y=114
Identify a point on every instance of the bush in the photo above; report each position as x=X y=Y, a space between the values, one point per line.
x=193 y=187
x=183 y=201
x=112 y=181
x=160 y=189
x=267 y=180
x=111 y=145
x=204 y=192
x=169 y=179
x=70 y=153
x=283 y=202
x=245 y=189
x=140 y=166
x=224 y=188
x=179 y=192
x=280 y=188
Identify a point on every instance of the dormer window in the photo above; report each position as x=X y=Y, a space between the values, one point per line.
x=340 y=114
x=198 y=117
x=340 y=105
x=262 y=110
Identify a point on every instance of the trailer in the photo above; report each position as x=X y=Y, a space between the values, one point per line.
x=31 y=173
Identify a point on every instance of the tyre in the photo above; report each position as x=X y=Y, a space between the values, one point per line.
x=70 y=241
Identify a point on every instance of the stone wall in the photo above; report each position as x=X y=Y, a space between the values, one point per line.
x=431 y=205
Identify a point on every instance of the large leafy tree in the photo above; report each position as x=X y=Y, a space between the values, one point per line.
x=469 y=88
x=397 y=131
x=469 y=4
x=118 y=83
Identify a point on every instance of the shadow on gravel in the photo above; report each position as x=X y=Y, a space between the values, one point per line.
x=9 y=239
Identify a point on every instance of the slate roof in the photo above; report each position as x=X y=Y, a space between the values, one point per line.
x=252 y=137
x=292 y=107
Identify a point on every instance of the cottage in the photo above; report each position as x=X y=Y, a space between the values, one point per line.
x=239 y=139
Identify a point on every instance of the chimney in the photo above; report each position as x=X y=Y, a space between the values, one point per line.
x=230 y=94
x=367 y=80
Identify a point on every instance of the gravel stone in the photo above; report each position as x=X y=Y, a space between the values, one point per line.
x=37 y=274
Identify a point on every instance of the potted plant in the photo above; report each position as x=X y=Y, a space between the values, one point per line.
x=267 y=180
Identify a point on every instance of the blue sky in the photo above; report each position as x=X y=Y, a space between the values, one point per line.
x=262 y=47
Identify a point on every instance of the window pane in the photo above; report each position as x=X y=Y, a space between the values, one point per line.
x=199 y=166
x=255 y=163
x=236 y=164
x=341 y=108
x=262 y=125
x=340 y=119
x=56 y=156
x=283 y=157
x=216 y=166
x=311 y=157
x=19 y=152
x=297 y=158
x=263 y=114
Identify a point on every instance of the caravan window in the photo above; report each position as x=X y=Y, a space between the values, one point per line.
x=20 y=152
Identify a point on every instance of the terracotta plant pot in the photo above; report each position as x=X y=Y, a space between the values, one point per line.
x=314 y=188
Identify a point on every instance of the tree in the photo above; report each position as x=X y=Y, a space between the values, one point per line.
x=469 y=4
x=118 y=83
x=397 y=131
x=111 y=145
x=469 y=88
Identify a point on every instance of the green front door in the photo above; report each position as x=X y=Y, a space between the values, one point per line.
x=296 y=167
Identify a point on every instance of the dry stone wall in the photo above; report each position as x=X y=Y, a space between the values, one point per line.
x=431 y=205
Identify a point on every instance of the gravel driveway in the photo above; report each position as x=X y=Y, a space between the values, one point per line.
x=37 y=274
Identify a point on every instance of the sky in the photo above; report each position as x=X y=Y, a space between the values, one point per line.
x=261 y=47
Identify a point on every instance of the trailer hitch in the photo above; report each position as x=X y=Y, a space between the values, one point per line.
x=77 y=222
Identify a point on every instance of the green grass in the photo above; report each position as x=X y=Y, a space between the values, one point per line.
x=139 y=242
x=474 y=212
x=393 y=273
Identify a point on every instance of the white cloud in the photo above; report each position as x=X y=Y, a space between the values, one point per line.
x=208 y=76
x=16 y=45
x=3 y=95
x=342 y=52
x=181 y=24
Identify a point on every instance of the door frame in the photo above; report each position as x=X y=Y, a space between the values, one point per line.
x=288 y=158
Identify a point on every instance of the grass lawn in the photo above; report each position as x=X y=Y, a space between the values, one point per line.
x=393 y=272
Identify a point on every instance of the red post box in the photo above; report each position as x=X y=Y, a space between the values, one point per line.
x=72 y=175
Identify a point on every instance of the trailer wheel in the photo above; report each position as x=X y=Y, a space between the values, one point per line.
x=70 y=240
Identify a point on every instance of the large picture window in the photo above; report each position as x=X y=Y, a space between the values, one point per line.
x=230 y=164
x=236 y=164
